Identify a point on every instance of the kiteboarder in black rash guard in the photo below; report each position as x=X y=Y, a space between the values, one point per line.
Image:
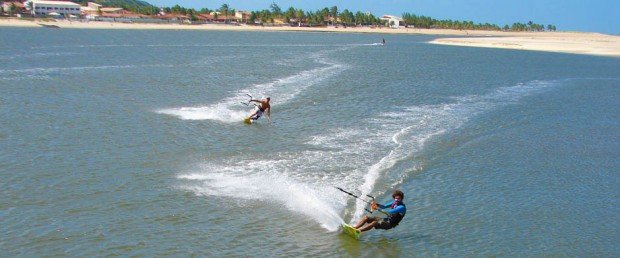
x=395 y=210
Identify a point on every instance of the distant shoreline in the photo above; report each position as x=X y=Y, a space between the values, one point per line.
x=564 y=42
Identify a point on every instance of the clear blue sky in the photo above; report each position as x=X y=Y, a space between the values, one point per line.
x=567 y=15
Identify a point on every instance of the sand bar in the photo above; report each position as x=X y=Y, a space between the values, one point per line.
x=564 y=42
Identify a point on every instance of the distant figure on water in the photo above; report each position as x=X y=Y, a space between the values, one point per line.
x=395 y=211
x=383 y=42
x=263 y=105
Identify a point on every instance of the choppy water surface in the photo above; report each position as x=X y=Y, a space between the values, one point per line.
x=131 y=143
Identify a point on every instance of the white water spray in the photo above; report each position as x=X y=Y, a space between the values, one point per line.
x=315 y=203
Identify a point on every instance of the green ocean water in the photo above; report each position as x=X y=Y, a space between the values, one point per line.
x=130 y=143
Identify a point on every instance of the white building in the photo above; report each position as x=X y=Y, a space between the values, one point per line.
x=393 y=21
x=54 y=8
x=92 y=8
x=242 y=16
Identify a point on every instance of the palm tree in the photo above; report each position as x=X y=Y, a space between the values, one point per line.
x=290 y=13
x=12 y=8
x=310 y=17
x=333 y=12
x=344 y=17
x=253 y=17
x=224 y=10
x=192 y=15
x=325 y=14
x=232 y=12
x=300 y=16
x=30 y=7
x=275 y=9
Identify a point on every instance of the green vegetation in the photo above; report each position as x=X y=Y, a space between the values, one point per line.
x=13 y=9
x=289 y=16
x=428 y=23
x=321 y=17
x=530 y=26
x=135 y=6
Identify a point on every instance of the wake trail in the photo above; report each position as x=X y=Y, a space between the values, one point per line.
x=418 y=124
x=201 y=45
x=35 y=55
x=50 y=72
x=305 y=199
x=354 y=158
x=282 y=90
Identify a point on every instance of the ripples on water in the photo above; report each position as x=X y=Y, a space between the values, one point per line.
x=136 y=148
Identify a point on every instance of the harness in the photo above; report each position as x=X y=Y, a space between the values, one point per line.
x=394 y=219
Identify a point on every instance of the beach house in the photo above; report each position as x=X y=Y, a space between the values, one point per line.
x=242 y=16
x=91 y=11
x=91 y=8
x=393 y=21
x=53 y=8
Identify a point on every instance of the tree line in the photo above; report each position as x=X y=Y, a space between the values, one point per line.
x=430 y=23
x=325 y=16
x=320 y=17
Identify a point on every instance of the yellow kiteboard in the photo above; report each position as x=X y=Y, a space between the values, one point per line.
x=351 y=231
x=247 y=120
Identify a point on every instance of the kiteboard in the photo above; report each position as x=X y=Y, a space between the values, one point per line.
x=351 y=231
x=247 y=120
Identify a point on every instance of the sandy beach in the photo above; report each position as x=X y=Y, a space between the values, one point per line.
x=565 y=42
